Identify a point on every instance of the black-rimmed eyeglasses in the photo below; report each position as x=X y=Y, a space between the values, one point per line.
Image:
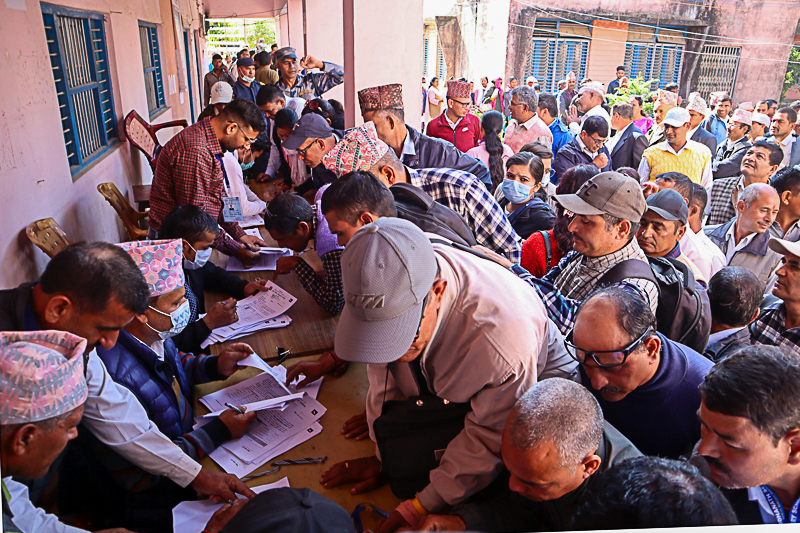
x=604 y=358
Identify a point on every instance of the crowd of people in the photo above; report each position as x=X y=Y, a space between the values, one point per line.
x=595 y=307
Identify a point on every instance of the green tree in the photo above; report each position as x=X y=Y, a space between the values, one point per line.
x=792 y=77
x=636 y=86
x=260 y=28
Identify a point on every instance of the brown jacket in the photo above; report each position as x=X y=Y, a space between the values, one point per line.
x=492 y=342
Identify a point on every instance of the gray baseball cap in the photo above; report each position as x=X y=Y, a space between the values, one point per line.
x=608 y=193
x=309 y=126
x=388 y=267
x=286 y=51
x=669 y=205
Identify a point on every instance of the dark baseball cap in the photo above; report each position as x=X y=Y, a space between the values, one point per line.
x=310 y=126
x=607 y=193
x=245 y=62
x=286 y=51
x=669 y=205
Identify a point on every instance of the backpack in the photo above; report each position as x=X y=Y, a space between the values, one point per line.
x=684 y=311
x=416 y=206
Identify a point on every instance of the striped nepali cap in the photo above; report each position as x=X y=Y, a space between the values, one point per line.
x=666 y=97
x=381 y=97
x=457 y=89
x=696 y=103
x=41 y=375
x=359 y=149
x=161 y=263
x=743 y=116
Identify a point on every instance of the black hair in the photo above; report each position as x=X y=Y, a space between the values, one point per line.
x=724 y=98
x=775 y=151
x=492 y=123
x=357 y=192
x=530 y=160
x=263 y=58
x=269 y=94
x=735 y=294
x=633 y=310
x=680 y=182
x=285 y=212
x=631 y=173
x=321 y=107
x=538 y=149
x=261 y=144
x=771 y=102
x=760 y=383
x=433 y=79
x=285 y=118
x=699 y=197
x=786 y=179
x=273 y=46
x=638 y=98
x=216 y=56
x=622 y=68
x=337 y=106
x=92 y=273
x=596 y=124
x=244 y=113
x=648 y=492
x=187 y=222
x=670 y=86
x=571 y=180
x=791 y=114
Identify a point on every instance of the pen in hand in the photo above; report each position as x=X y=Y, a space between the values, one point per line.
x=240 y=411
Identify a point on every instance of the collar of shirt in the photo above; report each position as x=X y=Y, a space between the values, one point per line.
x=675 y=252
x=408 y=147
x=757 y=495
x=528 y=124
x=731 y=238
x=584 y=149
x=724 y=334
x=157 y=347
x=790 y=139
x=691 y=132
x=665 y=146
x=453 y=125
x=612 y=142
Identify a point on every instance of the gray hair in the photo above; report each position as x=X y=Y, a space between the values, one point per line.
x=623 y=109
x=559 y=411
x=752 y=192
x=527 y=95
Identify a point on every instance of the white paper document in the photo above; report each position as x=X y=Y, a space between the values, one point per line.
x=253 y=232
x=252 y=221
x=267 y=260
x=262 y=306
x=227 y=333
x=193 y=516
x=263 y=404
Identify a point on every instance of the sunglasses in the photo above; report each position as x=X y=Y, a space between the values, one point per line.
x=603 y=358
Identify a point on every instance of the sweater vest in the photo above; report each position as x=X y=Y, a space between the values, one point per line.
x=694 y=158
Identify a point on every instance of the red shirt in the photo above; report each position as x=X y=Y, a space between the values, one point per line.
x=466 y=135
x=188 y=172
x=534 y=254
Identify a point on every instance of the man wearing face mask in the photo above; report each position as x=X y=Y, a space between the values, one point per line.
x=198 y=230
x=246 y=86
x=146 y=361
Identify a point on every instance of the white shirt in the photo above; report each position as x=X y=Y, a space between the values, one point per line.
x=705 y=180
x=453 y=125
x=251 y=204
x=598 y=110
x=730 y=242
x=29 y=518
x=705 y=255
x=786 y=145
x=612 y=142
x=584 y=149
x=756 y=494
x=114 y=415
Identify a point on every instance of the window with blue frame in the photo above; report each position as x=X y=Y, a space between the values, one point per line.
x=148 y=38
x=655 y=53
x=76 y=43
x=557 y=48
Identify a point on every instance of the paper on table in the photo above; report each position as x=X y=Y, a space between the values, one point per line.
x=253 y=232
x=262 y=306
x=193 y=516
x=233 y=465
x=273 y=250
x=264 y=386
x=253 y=360
x=225 y=333
x=266 y=261
x=251 y=221
x=263 y=404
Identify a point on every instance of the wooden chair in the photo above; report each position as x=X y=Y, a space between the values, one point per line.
x=130 y=217
x=48 y=236
x=142 y=135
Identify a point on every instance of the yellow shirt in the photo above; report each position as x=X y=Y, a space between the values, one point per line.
x=691 y=160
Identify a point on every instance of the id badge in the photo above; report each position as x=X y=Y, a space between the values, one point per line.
x=231 y=209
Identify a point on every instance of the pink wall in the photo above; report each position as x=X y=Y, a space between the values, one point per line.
x=33 y=161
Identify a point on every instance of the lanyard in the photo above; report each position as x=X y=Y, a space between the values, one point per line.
x=777 y=509
x=224 y=175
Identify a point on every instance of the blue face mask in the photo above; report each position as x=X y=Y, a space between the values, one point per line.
x=246 y=166
x=515 y=192
x=179 y=317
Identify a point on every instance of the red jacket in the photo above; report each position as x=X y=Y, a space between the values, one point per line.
x=466 y=135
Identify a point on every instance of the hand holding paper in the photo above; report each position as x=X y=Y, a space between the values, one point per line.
x=228 y=359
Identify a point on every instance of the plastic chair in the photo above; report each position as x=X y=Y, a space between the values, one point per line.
x=130 y=217
x=142 y=135
x=48 y=236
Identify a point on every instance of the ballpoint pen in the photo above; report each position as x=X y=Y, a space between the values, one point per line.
x=234 y=408
x=264 y=473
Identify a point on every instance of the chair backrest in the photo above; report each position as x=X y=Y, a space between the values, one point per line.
x=48 y=236
x=138 y=132
x=130 y=217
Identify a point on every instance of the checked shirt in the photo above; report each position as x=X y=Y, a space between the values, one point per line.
x=770 y=328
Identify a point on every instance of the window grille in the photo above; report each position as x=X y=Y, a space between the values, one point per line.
x=718 y=68
x=557 y=49
x=655 y=55
x=151 y=59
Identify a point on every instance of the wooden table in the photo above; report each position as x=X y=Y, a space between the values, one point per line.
x=311 y=331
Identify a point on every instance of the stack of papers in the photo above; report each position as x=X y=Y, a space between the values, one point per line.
x=193 y=516
x=274 y=431
x=263 y=310
x=253 y=232
x=266 y=261
x=252 y=221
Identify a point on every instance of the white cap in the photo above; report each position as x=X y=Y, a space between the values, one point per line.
x=676 y=117
x=221 y=93
x=531 y=78
x=761 y=118
x=595 y=86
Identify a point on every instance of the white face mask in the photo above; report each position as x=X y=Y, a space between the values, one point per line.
x=248 y=79
x=201 y=257
x=179 y=317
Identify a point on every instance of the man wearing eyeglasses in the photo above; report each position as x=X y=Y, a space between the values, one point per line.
x=647 y=385
x=677 y=153
x=525 y=125
x=588 y=148
x=313 y=138
x=457 y=125
x=189 y=170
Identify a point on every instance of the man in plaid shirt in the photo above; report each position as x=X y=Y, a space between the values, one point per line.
x=189 y=171
x=779 y=323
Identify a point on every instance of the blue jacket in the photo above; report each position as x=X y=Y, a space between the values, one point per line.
x=715 y=127
x=561 y=135
x=660 y=416
x=243 y=92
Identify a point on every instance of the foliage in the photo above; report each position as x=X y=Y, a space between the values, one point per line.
x=261 y=28
x=637 y=86
x=792 y=77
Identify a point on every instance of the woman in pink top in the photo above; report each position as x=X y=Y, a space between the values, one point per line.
x=491 y=150
x=640 y=120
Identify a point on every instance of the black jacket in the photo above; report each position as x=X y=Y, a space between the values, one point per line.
x=12 y=307
x=747 y=511
x=534 y=216
x=437 y=153
x=728 y=161
x=571 y=155
x=629 y=149
x=704 y=137
x=732 y=343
